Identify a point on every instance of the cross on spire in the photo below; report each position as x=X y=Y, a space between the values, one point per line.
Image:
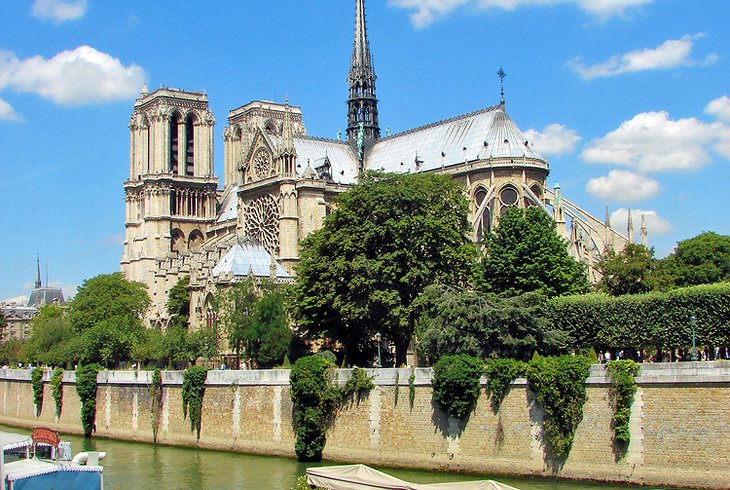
x=501 y=74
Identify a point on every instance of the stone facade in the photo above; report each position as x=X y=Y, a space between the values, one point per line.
x=679 y=417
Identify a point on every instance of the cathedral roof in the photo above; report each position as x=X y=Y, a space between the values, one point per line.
x=46 y=296
x=247 y=257
x=480 y=135
x=341 y=157
x=229 y=205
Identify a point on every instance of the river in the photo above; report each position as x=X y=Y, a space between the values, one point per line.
x=131 y=465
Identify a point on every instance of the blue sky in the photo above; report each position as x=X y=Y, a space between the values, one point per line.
x=628 y=99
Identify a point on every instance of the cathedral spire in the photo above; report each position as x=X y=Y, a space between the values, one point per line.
x=644 y=232
x=287 y=145
x=38 y=283
x=630 y=228
x=362 y=105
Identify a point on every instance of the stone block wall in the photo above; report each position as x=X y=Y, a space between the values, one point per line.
x=679 y=423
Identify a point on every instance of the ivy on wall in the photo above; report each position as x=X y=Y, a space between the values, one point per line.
x=397 y=387
x=86 y=389
x=193 y=390
x=412 y=388
x=57 y=390
x=501 y=373
x=317 y=400
x=36 y=380
x=559 y=384
x=623 y=373
x=456 y=384
x=155 y=391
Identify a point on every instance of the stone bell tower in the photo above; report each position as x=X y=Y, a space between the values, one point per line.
x=171 y=192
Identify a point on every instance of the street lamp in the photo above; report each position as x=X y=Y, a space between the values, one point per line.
x=377 y=338
x=693 y=323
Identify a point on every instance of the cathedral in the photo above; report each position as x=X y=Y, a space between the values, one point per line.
x=279 y=183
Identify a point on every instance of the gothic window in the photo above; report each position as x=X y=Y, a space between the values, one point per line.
x=173 y=144
x=535 y=189
x=173 y=203
x=261 y=222
x=189 y=146
x=484 y=223
x=262 y=163
x=195 y=240
x=177 y=240
x=508 y=197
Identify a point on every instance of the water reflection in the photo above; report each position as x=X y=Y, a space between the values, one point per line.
x=131 y=465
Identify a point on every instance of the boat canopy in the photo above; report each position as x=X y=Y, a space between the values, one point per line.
x=361 y=477
x=10 y=441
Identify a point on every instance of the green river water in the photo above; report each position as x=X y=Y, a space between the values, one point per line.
x=130 y=465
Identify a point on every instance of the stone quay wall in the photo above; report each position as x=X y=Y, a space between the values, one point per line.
x=680 y=421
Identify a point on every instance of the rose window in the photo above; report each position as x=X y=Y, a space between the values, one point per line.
x=262 y=164
x=262 y=222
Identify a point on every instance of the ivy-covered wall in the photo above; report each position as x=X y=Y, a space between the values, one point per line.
x=677 y=413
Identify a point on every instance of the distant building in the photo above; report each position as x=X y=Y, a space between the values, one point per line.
x=279 y=183
x=18 y=317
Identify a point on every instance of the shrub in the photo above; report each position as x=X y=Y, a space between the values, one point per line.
x=36 y=380
x=412 y=388
x=500 y=374
x=456 y=384
x=559 y=383
x=86 y=389
x=156 y=401
x=193 y=390
x=57 y=390
x=622 y=374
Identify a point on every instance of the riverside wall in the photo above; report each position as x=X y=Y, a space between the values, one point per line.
x=680 y=421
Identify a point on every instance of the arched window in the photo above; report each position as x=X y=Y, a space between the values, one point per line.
x=195 y=240
x=177 y=241
x=508 y=197
x=189 y=146
x=535 y=189
x=484 y=223
x=174 y=121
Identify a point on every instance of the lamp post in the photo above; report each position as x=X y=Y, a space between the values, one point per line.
x=377 y=338
x=693 y=323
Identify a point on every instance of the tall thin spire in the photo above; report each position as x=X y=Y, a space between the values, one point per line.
x=644 y=232
x=38 y=283
x=501 y=74
x=362 y=104
x=630 y=228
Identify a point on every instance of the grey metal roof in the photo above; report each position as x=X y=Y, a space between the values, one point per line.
x=248 y=257
x=341 y=157
x=229 y=206
x=46 y=296
x=481 y=135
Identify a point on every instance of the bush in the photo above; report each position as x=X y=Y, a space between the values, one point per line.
x=456 y=384
x=57 y=390
x=36 y=380
x=310 y=385
x=500 y=374
x=86 y=389
x=622 y=374
x=559 y=383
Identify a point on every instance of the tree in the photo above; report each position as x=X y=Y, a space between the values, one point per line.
x=526 y=254
x=627 y=272
x=463 y=321
x=107 y=297
x=49 y=330
x=178 y=303
x=704 y=259
x=269 y=336
x=390 y=237
x=237 y=305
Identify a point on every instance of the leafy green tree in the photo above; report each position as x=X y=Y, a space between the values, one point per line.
x=526 y=254
x=107 y=297
x=390 y=237
x=49 y=330
x=11 y=351
x=464 y=321
x=3 y=324
x=704 y=259
x=269 y=336
x=178 y=303
x=237 y=305
x=628 y=271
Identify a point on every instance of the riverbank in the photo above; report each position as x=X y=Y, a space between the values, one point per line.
x=678 y=419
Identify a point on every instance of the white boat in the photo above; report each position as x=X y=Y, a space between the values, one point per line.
x=361 y=477
x=22 y=469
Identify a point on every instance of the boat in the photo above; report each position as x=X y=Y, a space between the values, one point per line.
x=22 y=468
x=362 y=477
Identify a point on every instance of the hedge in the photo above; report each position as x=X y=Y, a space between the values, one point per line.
x=645 y=320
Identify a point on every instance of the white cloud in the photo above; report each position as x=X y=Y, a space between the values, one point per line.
x=720 y=108
x=59 y=10
x=554 y=139
x=672 y=53
x=7 y=112
x=80 y=76
x=427 y=11
x=622 y=186
x=18 y=300
x=651 y=142
x=655 y=224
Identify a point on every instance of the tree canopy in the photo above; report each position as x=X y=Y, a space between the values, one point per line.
x=108 y=297
x=627 y=272
x=390 y=236
x=703 y=259
x=526 y=254
x=178 y=303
